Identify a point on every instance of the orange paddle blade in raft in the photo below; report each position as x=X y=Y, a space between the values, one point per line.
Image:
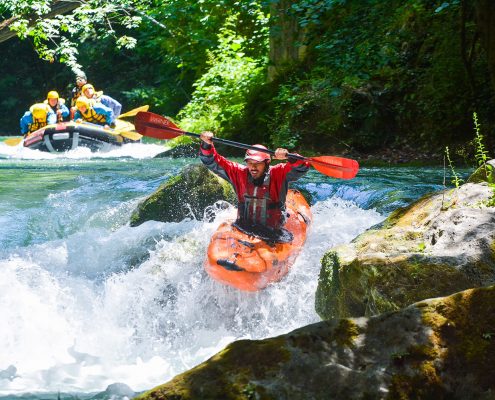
x=249 y=263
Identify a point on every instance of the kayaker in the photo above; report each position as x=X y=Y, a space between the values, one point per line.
x=261 y=189
x=57 y=105
x=96 y=113
x=88 y=90
x=76 y=91
x=38 y=116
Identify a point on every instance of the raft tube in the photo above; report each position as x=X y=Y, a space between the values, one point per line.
x=67 y=136
x=249 y=263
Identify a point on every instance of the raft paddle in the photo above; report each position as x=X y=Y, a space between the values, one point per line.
x=133 y=112
x=156 y=126
x=13 y=141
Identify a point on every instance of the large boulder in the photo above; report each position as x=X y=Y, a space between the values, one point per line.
x=441 y=244
x=439 y=348
x=185 y=195
x=182 y=146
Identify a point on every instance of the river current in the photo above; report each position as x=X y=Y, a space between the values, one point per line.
x=86 y=301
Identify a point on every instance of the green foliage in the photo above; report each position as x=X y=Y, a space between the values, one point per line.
x=379 y=74
x=456 y=180
x=376 y=73
x=56 y=37
x=481 y=154
x=155 y=64
x=220 y=94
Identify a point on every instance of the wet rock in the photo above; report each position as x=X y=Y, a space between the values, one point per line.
x=441 y=244
x=116 y=391
x=184 y=196
x=439 y=348
x=485 y=173
x=181 y=147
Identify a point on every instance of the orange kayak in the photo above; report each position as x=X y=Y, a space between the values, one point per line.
x=247 y=262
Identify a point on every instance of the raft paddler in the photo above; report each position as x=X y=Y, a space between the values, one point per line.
x=88 y=90
x=261 y=189
x=76 y=91
x=38 y=116
x=96 y=113
x=58 y=106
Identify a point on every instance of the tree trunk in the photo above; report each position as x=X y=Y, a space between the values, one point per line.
x=286 y=37
x=485 y=20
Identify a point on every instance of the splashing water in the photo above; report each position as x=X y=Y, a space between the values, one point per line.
x=87 y=301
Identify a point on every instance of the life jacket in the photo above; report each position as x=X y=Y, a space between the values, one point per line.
x=76 y=92
x=92 y=116
x=256 y=207
x=57 y=107
x=36 y=124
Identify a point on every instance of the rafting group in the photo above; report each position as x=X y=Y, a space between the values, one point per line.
x=91 y=120
x=261 y=244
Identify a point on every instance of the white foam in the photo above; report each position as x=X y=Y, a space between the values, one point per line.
x=133 y=150
x=135 y=305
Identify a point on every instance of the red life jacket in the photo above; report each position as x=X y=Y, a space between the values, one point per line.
x=255 y=205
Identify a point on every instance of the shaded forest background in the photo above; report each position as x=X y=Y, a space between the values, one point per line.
x=330 y=77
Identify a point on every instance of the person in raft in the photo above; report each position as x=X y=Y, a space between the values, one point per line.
x=76 y=91
x=38 y=116
x=57 y=105
x=88 y=90
x=96 y=113
x=261 y=189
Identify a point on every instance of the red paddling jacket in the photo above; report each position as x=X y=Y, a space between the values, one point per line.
x=261 y=201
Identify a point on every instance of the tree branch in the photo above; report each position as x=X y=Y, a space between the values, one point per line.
x=59 y=7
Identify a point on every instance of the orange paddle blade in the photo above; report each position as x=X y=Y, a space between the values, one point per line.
x=336 y=167
x=13 y=141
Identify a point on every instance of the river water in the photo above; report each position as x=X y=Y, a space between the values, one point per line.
x=86 y=301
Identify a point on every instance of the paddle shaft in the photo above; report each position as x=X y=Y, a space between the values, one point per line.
x=157 y=126
x=241 y=145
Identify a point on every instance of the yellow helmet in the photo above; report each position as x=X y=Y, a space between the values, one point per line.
x=39 y=110
x=83 y=101
x=52 y=94
x=87 y=86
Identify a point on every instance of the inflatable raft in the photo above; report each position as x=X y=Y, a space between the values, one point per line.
x=248 y=262
x=66 y=136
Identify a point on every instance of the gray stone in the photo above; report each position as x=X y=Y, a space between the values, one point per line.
x=439 y=348
x=441 y=244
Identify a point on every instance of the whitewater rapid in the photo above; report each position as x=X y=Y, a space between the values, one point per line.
x=92 y=301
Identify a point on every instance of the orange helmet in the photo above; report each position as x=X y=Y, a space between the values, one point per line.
x=256 y=155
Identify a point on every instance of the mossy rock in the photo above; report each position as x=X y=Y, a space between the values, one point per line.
x=440 y=244
x=367 y=286
x=485 y=173
x=439 y=348
x=185 y=195
x=181 y=147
